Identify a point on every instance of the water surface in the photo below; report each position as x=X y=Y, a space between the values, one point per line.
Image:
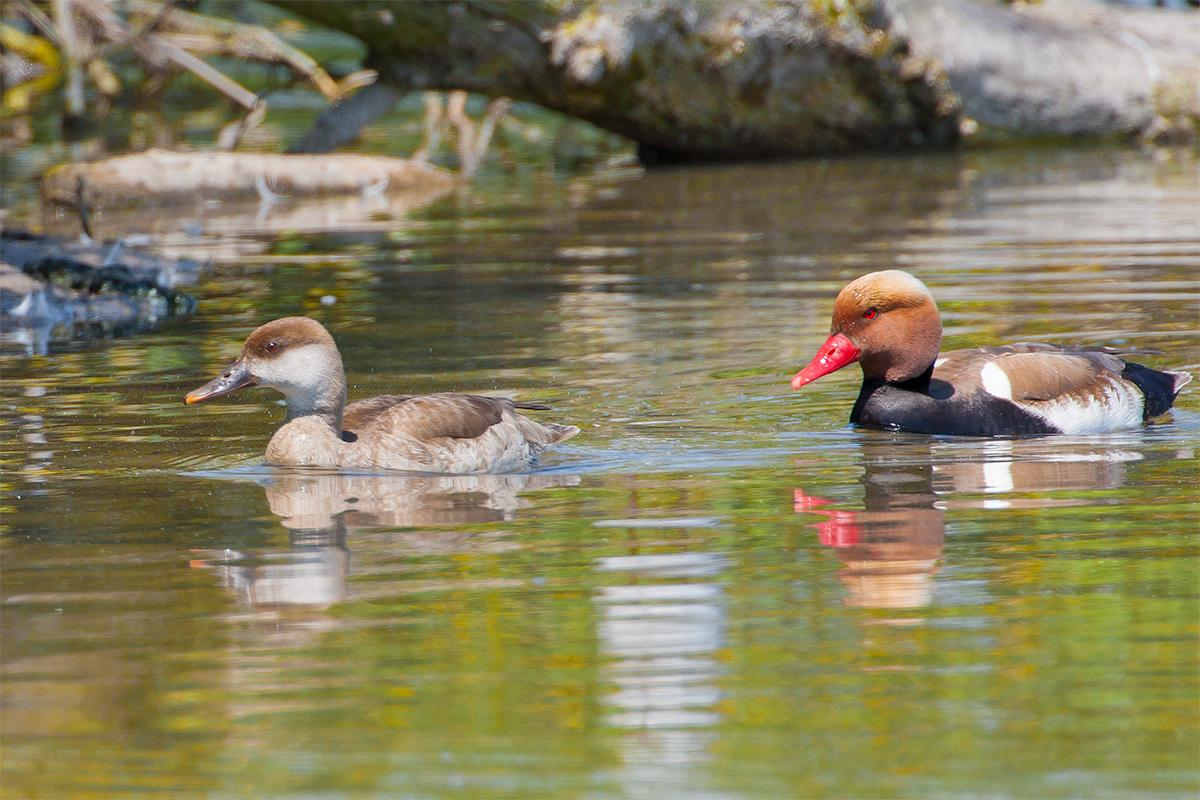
x=718 y=589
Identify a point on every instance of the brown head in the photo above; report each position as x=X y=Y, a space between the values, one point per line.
x=294 y=355
x=887 y=321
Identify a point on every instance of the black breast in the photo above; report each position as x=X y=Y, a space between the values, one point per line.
x=889 y=406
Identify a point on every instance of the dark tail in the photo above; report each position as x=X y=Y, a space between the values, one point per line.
x=562 y=432
x=1158 y=388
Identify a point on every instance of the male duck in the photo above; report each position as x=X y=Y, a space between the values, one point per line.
x=887 y=321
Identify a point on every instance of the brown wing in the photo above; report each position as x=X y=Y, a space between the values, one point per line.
x=428 y=416
x=1035 y=371
x=362 y=414
x=1044 y=376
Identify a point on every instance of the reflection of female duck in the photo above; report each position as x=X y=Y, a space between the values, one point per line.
x=318 y=507
x=887 y=321
x=445 y=432
x=315 y=499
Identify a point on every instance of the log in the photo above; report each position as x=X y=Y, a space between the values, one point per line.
x=90 y=266
x=740 y=79
x=342 y=123
x=686 y=80
x=159 y=177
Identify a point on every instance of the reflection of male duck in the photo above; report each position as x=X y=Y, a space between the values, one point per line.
x=1005 y=466
x=319 y=507
x=890 y=548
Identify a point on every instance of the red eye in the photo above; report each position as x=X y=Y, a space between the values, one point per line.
x=272 y=347
x=870 y=313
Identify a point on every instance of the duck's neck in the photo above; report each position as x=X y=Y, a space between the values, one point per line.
x=324 y=399
x=919 y=384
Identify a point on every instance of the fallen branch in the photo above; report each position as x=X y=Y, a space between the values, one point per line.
x=161 y=176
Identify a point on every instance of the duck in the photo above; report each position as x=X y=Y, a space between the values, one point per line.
x=445 y=432
x=888 y=323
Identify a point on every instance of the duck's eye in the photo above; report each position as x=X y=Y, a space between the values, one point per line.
x=870 y=313
x=272 y=347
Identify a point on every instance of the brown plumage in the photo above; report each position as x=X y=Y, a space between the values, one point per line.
x=444 y=432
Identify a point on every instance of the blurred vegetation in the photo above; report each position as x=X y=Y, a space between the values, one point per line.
x=87 y=56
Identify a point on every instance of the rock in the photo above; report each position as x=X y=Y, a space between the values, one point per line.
x=55 y=290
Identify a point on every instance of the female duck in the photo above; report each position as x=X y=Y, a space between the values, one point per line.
x=887 y=321
x=445 y=432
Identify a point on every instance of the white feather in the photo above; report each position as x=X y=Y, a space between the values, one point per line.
x=1116 y=406
x=995 y=382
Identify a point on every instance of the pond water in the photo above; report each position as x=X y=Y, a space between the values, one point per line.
x=718 y=589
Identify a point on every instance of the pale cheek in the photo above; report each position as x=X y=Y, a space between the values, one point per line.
x=294 y=368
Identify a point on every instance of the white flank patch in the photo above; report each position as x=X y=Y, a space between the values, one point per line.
x=1115 y=406
x=995 y=382
x=939 y=362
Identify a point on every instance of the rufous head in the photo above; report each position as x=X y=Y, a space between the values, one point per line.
x=294 y=355
x=887 y=321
